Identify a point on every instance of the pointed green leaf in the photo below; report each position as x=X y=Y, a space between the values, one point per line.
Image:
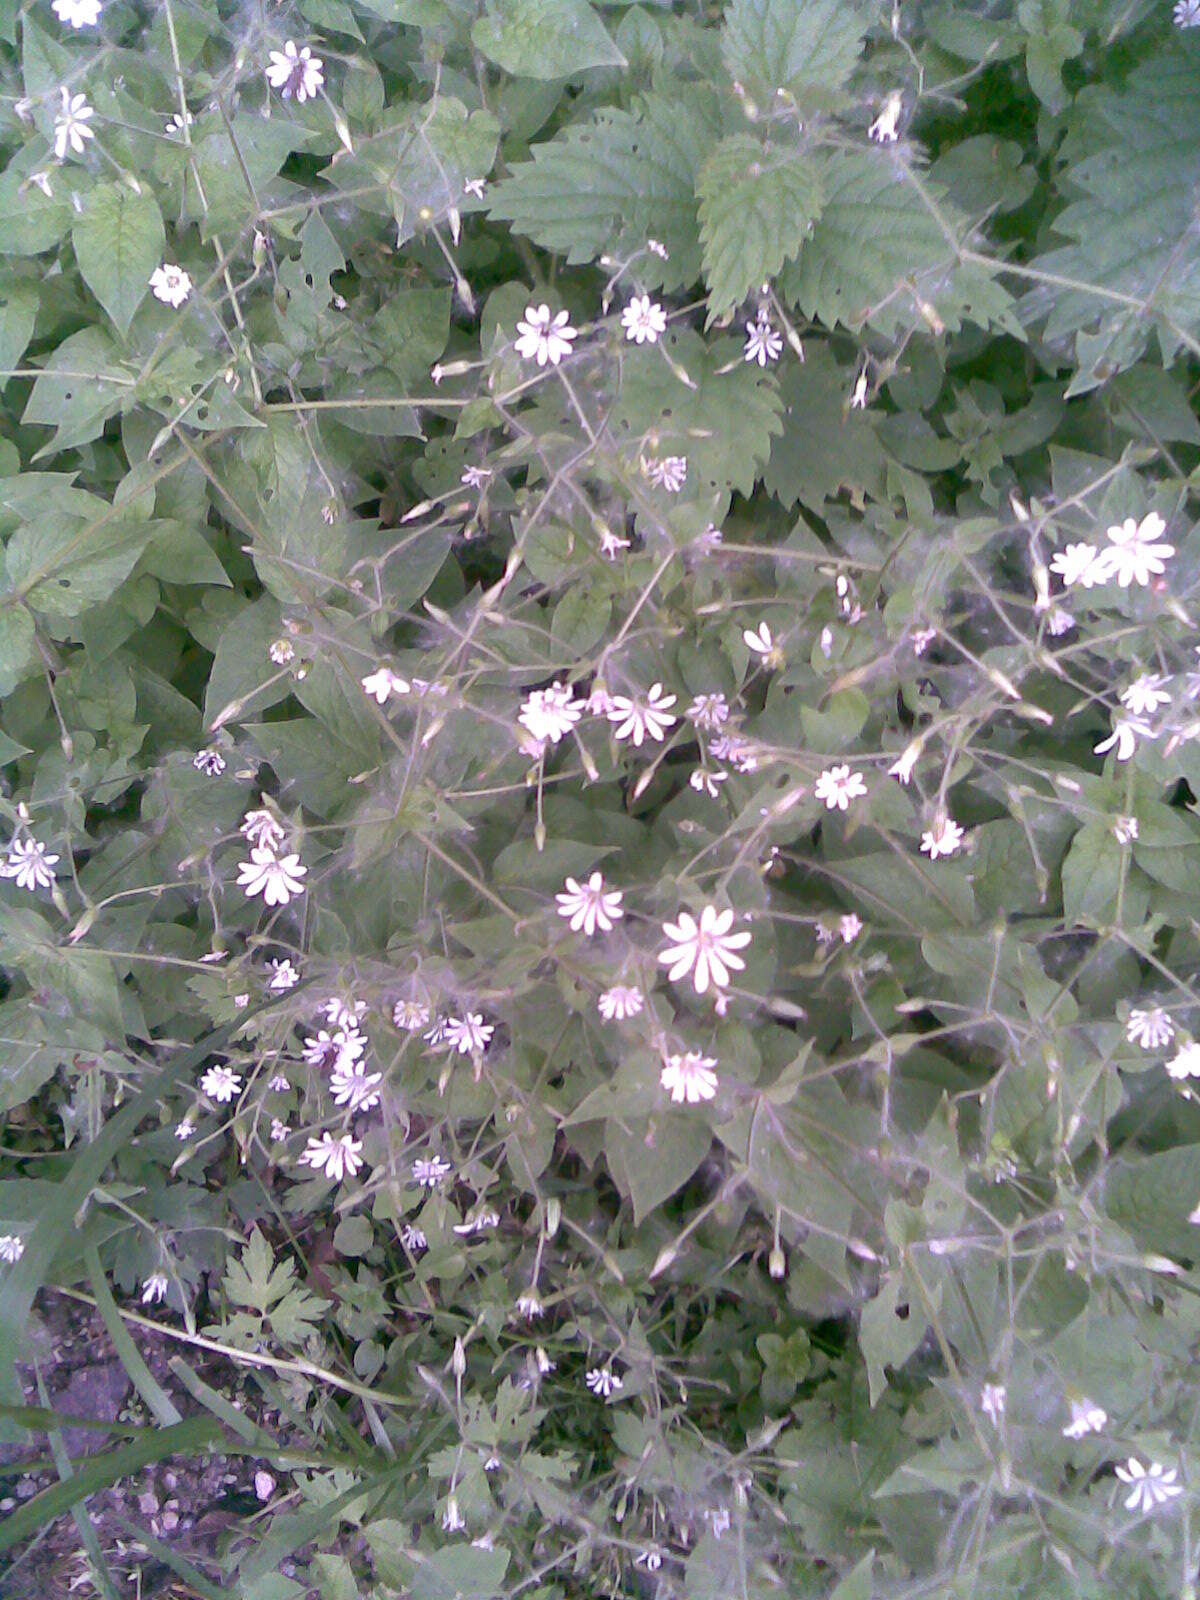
x=544 y=38
x=118 y=243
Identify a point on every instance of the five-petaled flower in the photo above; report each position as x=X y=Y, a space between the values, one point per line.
x=550 y=713
x=154 y=1288
x=589 y=905
x=12 y=1247
x=603 y=1381
x=335 y=1157
x=276 y=878
x=1086 y=1417
x=383 y=683
x=469 y=1035
x=170 y=284
x=221 y=1083
x=544 y=336
x=644 y=321
x=1076 y=564
x=428 y=1171
x=666 y=472
x=262 y=830
x=1146 y=694
x=837 y=786
x=763 y=344
x=1135 y=554
x=210 y=762
x=1185 y=1063
x=352 y=1087
x=943 y=839
x=620 y=1002
x=1186 y=14
x=1150 y=1487
x=709 y=711
x=283 y=976
x=295 y=72
x=707 y=949
x=1152 y=1028
x=636 y=718
x=77 y=13
x=690 y=1077
x=29 y=864
x=71 y=124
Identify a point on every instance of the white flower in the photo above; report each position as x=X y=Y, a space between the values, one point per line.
x=1124 y=737
x=667 y=472
x=29 y=864
x=412 y=1238
x=77 y=13
x=71 y=130
x=428 y=1173
x=334 y=1157
x=1187 y=14
x=620 y=1002
x=530 y=1304
x=1059 y=622
x=383 y=682
x=707 y=949
x=453 y=1520
x=281 y=651
x=589 y=905
x=859 y=395
x=611 y=544
x=635 y=719
x=763 y=344
x=410 y=1015
x=469 y=1035
x=475 y=477
x=1125 y=829
x=837 y=786
x=184 y=1129
x=475 y=187
x=1134 y=555
x=352 y=1087
x=643 y=321
x=210 y=762
x=155 y=1287
x=1150 y=1487
x=170 y=284
x=221 y=1084
x=477 y=1223
x=849 y=927
x=276 y=878
x=657 y=248
x=603 y=1381
x=344 y=1014
x=1185 y=1063
x=759 y=641
x=718 y=1521
x=943 y=839
x=706 y=782
x=885 y=128
x=550 y=713
x=342 y=1048
x=1076 y=564
x=177 y=123
x=651 y=1559
x=262 y=830
x=1086 y=1417
x=1145 y=694
x=41 y=180
x=278 y=1084
x=12 y=1247
x=283 y=976
x=709 y=711
x=545 y=337
x=1152 y=1029
x=902 y=769
x=992 y=1400
x=922 y=639
x=689 y=1077
x=295 y=72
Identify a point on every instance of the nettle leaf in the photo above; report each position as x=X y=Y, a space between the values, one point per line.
x=1132 y=167
x=544 y=38
x=118 y=242
x=757 y=205
x=624 y=176
x=879 y=252
x=808 y=48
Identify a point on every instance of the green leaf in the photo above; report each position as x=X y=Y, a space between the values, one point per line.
x=18 y=313
x=1091 y=876
x=807 y=48
x=17 y=644
x=649 y=1162
x=81 y=386
x=61 y=566
x=624 y=176
x=824 y=447
x=580 y=620
x=118 y=243
x=544 y=38
x=757 y=205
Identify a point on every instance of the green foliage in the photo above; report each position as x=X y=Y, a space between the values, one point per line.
x=655 y=443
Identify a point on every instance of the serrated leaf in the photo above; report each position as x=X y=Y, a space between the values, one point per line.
x=757 y=205
x=544 y=38
x=118 y=243
x=622 y=176
x=808 y=48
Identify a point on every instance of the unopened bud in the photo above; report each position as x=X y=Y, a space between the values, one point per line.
x=777 y=1263
x=553 y=1215
x=458 y=1361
